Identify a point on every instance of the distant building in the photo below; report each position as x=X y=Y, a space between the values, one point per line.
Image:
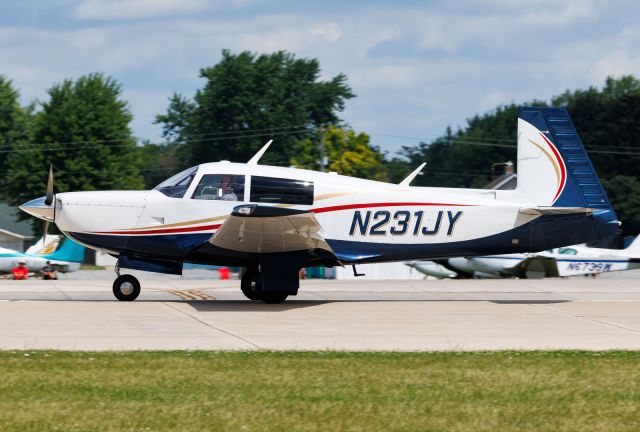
x=503 y=177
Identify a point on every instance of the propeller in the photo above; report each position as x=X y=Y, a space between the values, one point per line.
x=48 y=200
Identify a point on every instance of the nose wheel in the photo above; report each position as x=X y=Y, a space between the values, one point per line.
x=126 y=288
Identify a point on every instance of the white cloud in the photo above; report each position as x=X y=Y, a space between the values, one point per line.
x=390 y=76
x=557 y=14
x=328 y=31
x=616 y=63
x=111 y=10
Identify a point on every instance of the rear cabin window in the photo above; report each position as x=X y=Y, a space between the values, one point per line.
x=281 y=191
x=221 y=187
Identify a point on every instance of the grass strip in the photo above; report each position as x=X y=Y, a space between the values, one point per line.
x=313 y=391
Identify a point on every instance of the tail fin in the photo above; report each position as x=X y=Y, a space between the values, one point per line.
x=634 y=247
x=69 y=251
x=554 y=168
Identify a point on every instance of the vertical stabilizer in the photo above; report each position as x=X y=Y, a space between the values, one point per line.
x=634 y=248
x=554 y=168
x=69 y=251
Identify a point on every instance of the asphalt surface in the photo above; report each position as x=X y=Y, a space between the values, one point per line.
x=195 y=312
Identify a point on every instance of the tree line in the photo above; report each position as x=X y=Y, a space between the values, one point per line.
x=83 y=130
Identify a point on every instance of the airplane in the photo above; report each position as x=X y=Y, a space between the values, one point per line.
x=559 y=262
x=67 y=258
x=273 y=221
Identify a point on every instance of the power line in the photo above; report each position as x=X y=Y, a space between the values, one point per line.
x=284 y=130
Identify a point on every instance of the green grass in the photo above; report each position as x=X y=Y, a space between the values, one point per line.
x=258 y=391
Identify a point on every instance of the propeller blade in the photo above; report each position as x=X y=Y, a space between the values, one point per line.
x=49 y=197
x=44 y=233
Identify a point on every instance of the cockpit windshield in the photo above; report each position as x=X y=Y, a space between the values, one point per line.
x=176 y=186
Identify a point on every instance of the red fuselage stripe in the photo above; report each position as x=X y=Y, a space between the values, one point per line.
x=317 y=210
x=392 y=204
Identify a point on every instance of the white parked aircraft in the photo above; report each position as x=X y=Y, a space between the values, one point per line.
x=67 y=258
x=562 y=262
x=274 y=220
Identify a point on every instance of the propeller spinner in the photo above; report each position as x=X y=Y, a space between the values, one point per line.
x=43 y=207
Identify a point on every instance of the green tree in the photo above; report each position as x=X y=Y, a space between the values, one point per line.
x=624 y=194
x=248 y=99
x=14 y=124
x=348 y=153
x=159 y=162
x=83 y=131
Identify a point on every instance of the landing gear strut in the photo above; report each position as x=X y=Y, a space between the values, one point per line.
x=251 y=286
x=126 y=287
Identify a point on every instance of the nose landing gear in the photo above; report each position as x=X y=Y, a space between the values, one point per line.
x=126 y=287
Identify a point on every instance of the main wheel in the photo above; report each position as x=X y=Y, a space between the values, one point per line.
x=126 y=288
x=251 y=284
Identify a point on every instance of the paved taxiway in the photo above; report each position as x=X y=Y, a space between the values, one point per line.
x=346 y=315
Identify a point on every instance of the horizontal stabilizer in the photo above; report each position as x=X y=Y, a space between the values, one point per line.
x=540 y=211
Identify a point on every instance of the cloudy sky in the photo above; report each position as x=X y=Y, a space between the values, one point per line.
x=416 y=66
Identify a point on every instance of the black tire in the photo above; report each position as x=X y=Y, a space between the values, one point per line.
x=126 y=288
x=274 y=298
x=251 y=284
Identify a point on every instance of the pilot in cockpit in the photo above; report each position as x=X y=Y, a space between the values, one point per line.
x=226 y=185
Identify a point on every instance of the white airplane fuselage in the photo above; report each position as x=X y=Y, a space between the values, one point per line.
x=276 y=220
x=362 y=220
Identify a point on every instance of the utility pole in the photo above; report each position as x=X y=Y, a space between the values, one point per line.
x=321 y=148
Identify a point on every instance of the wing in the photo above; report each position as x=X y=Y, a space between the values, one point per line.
x=262 y=229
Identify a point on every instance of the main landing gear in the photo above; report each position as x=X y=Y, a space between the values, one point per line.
x=251 y=286
x=126 y=287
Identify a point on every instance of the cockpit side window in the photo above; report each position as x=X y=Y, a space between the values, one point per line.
x=281 y=190
x=222 y=187
x=176 y=186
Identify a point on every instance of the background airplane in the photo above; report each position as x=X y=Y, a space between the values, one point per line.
x=67 y=258
x=275 y=220
x=562 y=262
